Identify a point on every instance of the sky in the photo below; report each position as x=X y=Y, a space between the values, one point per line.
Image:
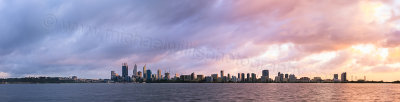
x=308 y=38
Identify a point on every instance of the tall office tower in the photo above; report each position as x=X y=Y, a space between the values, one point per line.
x=242 y=77
x=124 y=70
x=148 y=75
x=144 y=72
x=265 y=76
x=167 y=76
x=335 y=77
x=344 y=77
x=265 y=73
x=113 y=75
x=248 y=77
x=139 y=74
x=135 y=73
x=239 y=76
x=192 y=76
x=222 y=73
x=280 y=76
x=229 y=77
x=159 y=74
x=286 y=75
x=253 y=77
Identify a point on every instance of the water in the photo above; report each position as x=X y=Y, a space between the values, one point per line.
x=99 y=92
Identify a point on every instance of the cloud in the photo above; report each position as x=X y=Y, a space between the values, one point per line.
x=69 y=38
x=4 y=75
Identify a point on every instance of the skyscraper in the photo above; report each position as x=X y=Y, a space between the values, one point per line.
x=148 y=74
x=335 y=77
x=242 y=77
x=248 y=77
x=139 y=74
x=229 y=77
x=192 y=76
x=253 y=77
x=113 y=75
x=135 y=73
x=124 y=70
x=159 y=74
x=265 y=73
x=144 y=72
x=344 y=77
x=222 y=73
x=239 y=76
x=167 y=76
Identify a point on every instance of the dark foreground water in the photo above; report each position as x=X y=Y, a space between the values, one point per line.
x=198 y=92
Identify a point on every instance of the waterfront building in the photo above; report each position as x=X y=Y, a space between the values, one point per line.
x=144 y=72
x=139 y=74
x=186 y=77
x=248 y=77
x=304 y=79
x=222 y=73
x=113 y=75
x=234 y=79
x=159 y=76
x=167 y=76
x=192 y=76
x=238 y=76
x=292 y=78
x=215 y=77
x=229 y=77
x=134 y=72
x=148 y=74
x=317 y=79
x=209 y=79
x=124 y=70
x=242 y=80
x=176 y=77
x=200 y=77
x=344 y=77
x=253 y=77
x=265 y=73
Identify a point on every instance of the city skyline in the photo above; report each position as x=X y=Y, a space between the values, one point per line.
x=226 y=77
x=306 y=38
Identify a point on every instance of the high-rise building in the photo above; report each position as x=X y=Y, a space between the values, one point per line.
x=148 y=76
x=167 y=76
x=140 y=74
x=253 y=77
x=344 y=77
x=124 y=70
x=265 y=73
x=335 y=77
x=113 y=75
x=238 y=76
x=215 y=77
x=222 y=73
x=242 y=76
x=135 y=73
x=192 y=76
x=229 y=77
x=292 y=78
x=144 y=72
x=159 y=74
x=248 y=77
x=286 y=76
